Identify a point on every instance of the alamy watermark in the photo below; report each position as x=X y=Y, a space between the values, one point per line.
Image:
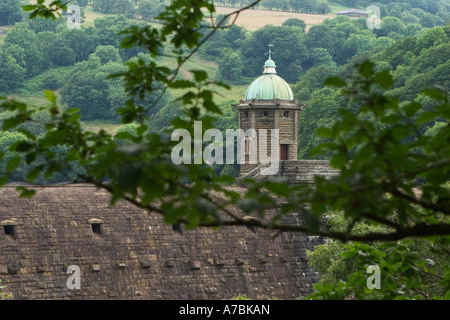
x=374 y=281
x=74 y=281
x=73 y=17
x=373 y=17
x=248 y=144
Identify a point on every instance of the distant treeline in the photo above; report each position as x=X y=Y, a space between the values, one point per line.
x=323 y=6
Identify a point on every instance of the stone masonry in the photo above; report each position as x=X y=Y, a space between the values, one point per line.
x=128 y=253
x=269 y=115
x=296 y=171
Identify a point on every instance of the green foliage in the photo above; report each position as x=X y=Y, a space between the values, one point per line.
x=294 y=22
x=390 y=24
x=11 y=161
x=231 y=66
x=223 y=39
x=22 y=36
x=126 y=132
x=89 y=89
x=108 y=28
x=323 y=8
x=322 y=111
x=4 y=295
x=10 y=12
x=415 y=63
x=434 y=130
x=409 y=269
x=125 y=7
x=41 y=25
x=288 y=59
x=52 y=79
x=150 y=9
x=320 y=56
x=11 y=73
x=108 y=54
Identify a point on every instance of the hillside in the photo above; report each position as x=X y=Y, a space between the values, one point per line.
x=257 y=18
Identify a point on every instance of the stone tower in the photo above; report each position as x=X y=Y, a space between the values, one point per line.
x=269 y=104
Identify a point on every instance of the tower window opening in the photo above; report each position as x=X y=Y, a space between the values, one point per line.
x=286 y=114
x=245 y=114
x=266 y=113
x=9 y=231
x=177 y=228
x=97 y=229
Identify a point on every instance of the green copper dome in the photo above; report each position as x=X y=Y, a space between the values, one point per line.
x=269 y=86
x=270 y=63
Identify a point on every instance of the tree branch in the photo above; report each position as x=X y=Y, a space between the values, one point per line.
x=420 y=230
x=429 y=205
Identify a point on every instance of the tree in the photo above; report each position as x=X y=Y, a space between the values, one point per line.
x=125 y=7
x=83 y=3
x=10 y=12
x=320 y=36
x=7 y=140
x=88 y=88
x=289 y=59
x=58 y=53
x=428 y=21
x=88 y=91
x=311 y=81
x=107 y=29
x=431 y=37
x=390 y=174
x=320 y=56
x=439 y=76
x=126 y=132
x=323 y=8
x=41 y=25
x=234 y=36
x=81 y=41
x=16 y=52
x=352 y=45
x=432 y=57
x=390 y=24
x=22 y=36
x=11 y=73
x=294 y=22
x=150 y=9
x=338 y=263
x=231 y=37
x=309 y=6
x=231 y=66
x=107 y=54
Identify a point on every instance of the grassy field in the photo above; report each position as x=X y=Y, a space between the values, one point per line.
x=256 y=19
x=337 y=7
x=90 y=16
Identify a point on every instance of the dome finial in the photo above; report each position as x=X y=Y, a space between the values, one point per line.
x=269 y=66
x=270 y=51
